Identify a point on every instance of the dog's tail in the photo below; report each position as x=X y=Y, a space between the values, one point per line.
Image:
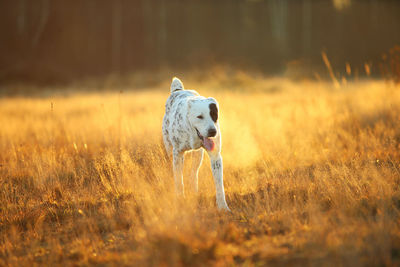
x=176 y=85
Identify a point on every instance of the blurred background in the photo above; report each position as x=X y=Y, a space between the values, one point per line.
x=56 y=41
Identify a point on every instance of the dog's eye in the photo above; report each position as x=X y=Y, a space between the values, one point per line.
x=200 y=117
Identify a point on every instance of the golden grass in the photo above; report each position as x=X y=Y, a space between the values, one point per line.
x=312 y=176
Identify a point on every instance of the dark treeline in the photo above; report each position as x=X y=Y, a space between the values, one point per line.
x=55 y=40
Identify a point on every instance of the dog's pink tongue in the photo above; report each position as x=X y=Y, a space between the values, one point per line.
x=208 y=144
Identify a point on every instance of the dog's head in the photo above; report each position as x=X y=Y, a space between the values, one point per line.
x=203 y=116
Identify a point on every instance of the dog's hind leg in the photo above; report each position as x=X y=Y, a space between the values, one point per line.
x=197 y=158
x=178 y=167
x=168 y=148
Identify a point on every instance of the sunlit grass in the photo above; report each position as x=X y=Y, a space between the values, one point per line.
x=312 y=176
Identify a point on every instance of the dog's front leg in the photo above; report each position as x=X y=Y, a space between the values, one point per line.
x=178 y=166
x=197 y=158
x=217 y=171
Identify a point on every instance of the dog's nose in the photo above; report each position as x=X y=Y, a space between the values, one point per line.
x=212 y=132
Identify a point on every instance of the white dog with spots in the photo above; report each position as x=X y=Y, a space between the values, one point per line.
x=190 y=124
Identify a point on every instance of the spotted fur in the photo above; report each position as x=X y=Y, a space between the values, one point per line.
x=189 y=117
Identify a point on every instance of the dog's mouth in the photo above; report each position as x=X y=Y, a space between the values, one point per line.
x=208 y=143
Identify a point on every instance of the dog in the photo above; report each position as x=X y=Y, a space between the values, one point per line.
x=190 y=124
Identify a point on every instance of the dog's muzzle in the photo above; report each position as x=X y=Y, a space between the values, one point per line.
x=199 y=135
x=208 y=143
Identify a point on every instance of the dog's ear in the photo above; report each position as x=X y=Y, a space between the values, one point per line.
x=213 y=111
x=212 y=100
x=190 y=103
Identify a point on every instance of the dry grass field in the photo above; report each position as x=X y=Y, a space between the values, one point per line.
x=311 y=173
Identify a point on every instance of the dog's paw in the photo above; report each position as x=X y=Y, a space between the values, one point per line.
x=223 y=207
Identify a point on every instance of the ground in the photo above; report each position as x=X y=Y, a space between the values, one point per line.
x=311 y=173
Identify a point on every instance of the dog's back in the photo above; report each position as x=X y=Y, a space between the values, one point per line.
x=177 y=98
x=175 y=109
